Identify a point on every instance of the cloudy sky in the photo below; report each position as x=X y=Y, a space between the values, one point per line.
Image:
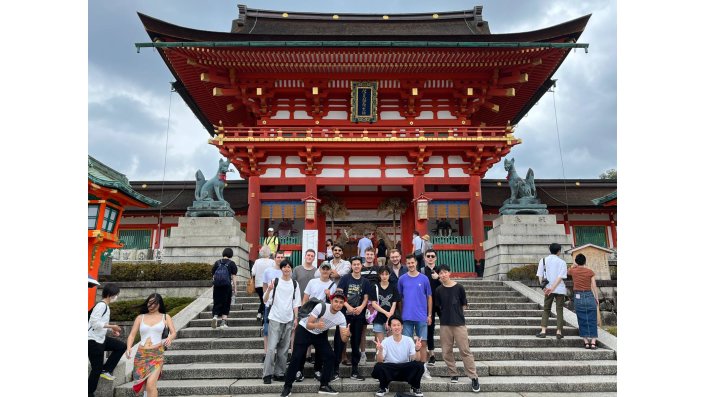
x=130 y=106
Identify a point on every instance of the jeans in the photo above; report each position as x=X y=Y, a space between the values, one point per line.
x=277 y=348
x=421 y=328
x=96 y=353
x=586 y=311
x=547 y=302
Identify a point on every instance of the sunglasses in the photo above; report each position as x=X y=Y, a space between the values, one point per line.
x=430 y=256
x=337 y=250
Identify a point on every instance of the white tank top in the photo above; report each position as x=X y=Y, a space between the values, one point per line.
x=154 y=332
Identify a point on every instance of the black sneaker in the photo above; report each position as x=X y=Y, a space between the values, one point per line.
x=317 y=376
x=541 y=335
x=335 y=377
x=356 y=376
x=288 y=359
x=326 y=389
x=432 y=361
x=286 y=392
x=381 y=392
x=311 y=360
x=417 y=392
x=267 y=380
x=453 y=379
x=476 y=385
x=279 y=378
x=299 y=376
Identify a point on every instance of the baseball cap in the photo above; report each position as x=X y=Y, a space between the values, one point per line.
x=325 y=264
x=339 y=294
x=271 y=229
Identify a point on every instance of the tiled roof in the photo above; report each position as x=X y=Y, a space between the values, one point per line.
x=102 y=175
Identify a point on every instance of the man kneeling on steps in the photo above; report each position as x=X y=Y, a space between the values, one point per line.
x=398 y=359
x=314 y=331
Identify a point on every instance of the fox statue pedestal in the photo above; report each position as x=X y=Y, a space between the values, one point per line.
x=203 y=239
x=519 y=240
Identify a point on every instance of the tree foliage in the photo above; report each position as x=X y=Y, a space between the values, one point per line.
x=333 y=208
x=609 y=174
x=393 y=206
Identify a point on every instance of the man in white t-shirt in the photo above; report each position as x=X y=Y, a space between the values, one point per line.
x=319 y=288
x=314 y=331
x=555 y=270
x=398 y=359
x=258 y=269
x=283 y=298
x=267 y=277
x=339 y=266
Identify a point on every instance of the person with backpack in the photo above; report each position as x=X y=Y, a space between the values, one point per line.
x=269 y=275
x=99 y=343
x=313 y=330
x=284 y=299
x=319 y=290
x=224 y=286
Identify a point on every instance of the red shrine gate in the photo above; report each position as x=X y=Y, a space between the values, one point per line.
x=363 y=107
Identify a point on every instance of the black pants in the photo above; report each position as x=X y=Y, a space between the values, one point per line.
x=96 y=353
x=431 y=327
x=222 y=296
x=302 y=340
x=356 y=326
x=260 y=294
x=409 y=372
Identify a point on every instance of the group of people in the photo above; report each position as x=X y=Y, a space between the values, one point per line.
x=149 y=358
x=300 y=307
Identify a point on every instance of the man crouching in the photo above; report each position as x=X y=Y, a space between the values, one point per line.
x=398 y=359
x=314 y=331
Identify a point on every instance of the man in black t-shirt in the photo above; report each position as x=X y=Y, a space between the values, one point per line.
x=450 y=300
x=431 y=271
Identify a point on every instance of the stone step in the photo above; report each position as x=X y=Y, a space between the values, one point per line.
x=480 y=353
x=239 y=322
x=536 y=384
x=484 y=369
x=255 y=331
x=252 y=314
x=437 y=394
x=471 y=306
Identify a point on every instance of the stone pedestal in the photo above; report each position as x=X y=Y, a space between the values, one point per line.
x=519 y=240
x=202 y=240
x=210 y=208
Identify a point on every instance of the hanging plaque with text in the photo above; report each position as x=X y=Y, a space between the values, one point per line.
x=363 y=101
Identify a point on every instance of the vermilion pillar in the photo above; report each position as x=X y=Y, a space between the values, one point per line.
x=407 y=230
x=613 y=226
x=477 y=228
x=253 y=215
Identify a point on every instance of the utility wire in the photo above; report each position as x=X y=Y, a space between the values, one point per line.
x=560 y=151
x=166 y=147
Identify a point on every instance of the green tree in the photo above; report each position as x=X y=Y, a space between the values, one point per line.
x=334 y=208
x=609 y=174
x=393 y=206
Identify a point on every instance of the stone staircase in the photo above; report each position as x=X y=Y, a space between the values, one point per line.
x=501 y=324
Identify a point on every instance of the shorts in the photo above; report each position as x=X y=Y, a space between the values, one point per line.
x=420 y=327
x=378 y=328
x=265 y=327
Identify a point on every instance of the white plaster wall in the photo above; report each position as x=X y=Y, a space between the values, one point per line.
x=397 y=173
x=336 y=115
x=273 y=160
x=332 y=173
x=365 y=173
x=435 y=160
x=455 y=160
x=390 y=115
x=302 y=115
x=272 y=173
x=425 y=115
x=293 y=172
x=334 y=188
x=436 y=173
x=332 y=160
x=396 y=160
x=281 y=114
x=456 y=172
x=445 y=115
x=293 y=160
x=367 y=160
x=393 y=189
x=363 y=188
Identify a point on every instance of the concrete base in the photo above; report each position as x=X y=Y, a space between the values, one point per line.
x=203 y=239
x=519 y=240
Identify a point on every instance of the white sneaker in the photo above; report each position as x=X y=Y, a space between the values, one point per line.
x=363 y=358
x=107 y=375
x=214 y=322
x=223 y=324
x=427 y=375
x=259 y=316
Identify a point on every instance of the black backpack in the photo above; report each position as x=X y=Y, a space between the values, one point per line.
x=306 y=309
x=221 y=277
x=274 y=290
x=91 y=312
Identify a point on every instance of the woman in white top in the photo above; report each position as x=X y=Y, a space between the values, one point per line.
x=149 y=358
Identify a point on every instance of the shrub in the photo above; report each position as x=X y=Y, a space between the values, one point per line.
x=527 y=272
x=150 y=271
x=612 y=330
x=129 y=309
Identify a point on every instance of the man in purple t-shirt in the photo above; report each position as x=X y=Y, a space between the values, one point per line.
x=416 y=295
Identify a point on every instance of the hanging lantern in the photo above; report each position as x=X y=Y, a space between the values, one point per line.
x=310 y=208
x=421 y=206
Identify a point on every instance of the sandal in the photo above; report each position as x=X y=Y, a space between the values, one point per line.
x=593 y=346
x=587 y=345
x=346 y=362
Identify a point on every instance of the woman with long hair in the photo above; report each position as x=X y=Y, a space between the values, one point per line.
x=149 y=358
x=586 y=301
x=329 y=249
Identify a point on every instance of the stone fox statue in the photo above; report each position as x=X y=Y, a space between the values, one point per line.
x=212 y=189
x=520 y=188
